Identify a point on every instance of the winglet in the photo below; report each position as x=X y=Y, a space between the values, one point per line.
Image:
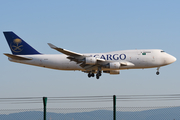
x=52 y=46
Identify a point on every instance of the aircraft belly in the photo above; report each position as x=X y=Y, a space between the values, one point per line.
x=68 y=65
x=28 y=62
x=60 y=63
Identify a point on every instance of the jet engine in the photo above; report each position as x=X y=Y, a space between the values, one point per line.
x=112 y=72
x=90 y=60
x=113 y=65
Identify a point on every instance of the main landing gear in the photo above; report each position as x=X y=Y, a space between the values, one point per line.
x=98 y=74
x=90 y=74
x=157 y=73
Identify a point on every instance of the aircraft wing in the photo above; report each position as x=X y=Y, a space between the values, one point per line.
x=64 y=51
x=80 y=58
x=17 y=57
x=71 y=53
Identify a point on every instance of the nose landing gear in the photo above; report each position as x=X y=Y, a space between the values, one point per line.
x=157 y=73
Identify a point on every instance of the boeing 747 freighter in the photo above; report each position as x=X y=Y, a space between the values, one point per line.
x=92 y=63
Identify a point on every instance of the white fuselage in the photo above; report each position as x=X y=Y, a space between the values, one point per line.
x=147 y=58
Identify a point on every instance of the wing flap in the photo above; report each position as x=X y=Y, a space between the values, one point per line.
x=17 y=57
x=79 y=58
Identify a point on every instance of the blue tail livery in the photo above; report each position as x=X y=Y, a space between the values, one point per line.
x=19 y=46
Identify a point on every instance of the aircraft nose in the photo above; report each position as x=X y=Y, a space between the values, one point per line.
x=170 y=59
x=173 y=59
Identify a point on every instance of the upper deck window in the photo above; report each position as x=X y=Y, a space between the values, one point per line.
x=162 y=51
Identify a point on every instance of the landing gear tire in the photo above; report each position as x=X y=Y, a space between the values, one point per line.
x=157 y=73
x=99 y=73
x=89 y=75
x=92 y=74
x=97 y=76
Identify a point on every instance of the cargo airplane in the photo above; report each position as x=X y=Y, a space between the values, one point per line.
x=93 y=63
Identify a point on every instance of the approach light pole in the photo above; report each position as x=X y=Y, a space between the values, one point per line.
x=44 y=103
x=114 y=107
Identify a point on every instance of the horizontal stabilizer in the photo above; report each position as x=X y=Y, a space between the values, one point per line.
x=17 y=57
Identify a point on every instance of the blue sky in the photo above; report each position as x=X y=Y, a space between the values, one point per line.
x=88 y=27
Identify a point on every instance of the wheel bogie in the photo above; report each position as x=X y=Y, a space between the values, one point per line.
x=97 y=76
x=90 y=74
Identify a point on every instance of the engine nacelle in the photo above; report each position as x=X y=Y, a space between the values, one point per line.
x=112 y=72
x=90 y=60
x=114 y=65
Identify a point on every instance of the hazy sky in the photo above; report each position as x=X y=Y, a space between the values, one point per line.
x=88 y=27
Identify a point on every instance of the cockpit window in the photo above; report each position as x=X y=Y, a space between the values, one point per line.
x=162 y=51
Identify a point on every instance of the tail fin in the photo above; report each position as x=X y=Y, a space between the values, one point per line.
x=19 y=46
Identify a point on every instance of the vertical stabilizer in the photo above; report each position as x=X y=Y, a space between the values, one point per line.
x=18 y=46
